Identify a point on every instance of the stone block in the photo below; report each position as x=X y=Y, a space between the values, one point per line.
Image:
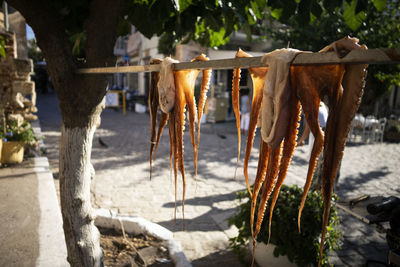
x=24 y=87
x=23 y=66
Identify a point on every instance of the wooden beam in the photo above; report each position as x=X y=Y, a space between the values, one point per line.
x=371 y=56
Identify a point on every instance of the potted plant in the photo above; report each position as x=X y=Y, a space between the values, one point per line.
x=302 y=248
x=14 y=139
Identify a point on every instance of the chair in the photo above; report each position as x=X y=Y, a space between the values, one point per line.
x=379 y=130
x=369 y=129
x=356 y=129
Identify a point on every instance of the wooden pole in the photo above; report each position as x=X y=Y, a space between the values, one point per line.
x=371 y=56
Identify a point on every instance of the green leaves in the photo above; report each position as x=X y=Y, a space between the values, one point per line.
x=352 y=19
x=218 y=38
x=152 y=19
x=379 y=4
x=276 y=13
x=183 y=4
x=78 y=40
x=124 y=27
x=21 y=133
x=301 y=248
x=2 y=47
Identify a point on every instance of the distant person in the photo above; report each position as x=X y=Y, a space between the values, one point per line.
x=244 y=110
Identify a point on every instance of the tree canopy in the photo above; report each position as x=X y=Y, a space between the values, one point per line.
x=377 y=24
x=208 y=22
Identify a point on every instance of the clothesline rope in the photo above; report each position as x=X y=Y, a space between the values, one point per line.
x=371 y=56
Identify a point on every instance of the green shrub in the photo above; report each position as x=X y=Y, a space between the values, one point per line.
x=21 y=133
x=301 y=248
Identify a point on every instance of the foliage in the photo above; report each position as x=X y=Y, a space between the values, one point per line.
x=22 y=133
x=375 y=23
x=34 y=51
x=209 y=22
x=301 y=248
x=2 y=47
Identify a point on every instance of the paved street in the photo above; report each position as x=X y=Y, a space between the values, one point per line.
x=122 y=182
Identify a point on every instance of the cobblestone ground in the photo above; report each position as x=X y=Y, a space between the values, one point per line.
x=122 y=183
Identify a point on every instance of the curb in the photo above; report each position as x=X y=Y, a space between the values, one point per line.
x=138 y=225
x=37 y=131
x=132 y=224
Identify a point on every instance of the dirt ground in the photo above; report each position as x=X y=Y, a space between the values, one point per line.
x=132 y=251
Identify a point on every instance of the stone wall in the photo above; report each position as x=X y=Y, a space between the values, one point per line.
x=18 y=26
x=17 y=91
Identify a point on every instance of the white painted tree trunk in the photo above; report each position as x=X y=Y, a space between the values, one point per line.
x=82 y=237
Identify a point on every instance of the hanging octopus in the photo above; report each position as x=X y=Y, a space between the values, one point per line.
x=153 y=108
x=182 y=85
x=343 y=87
x=258 y=77
x=268 y=170
x=338 y=125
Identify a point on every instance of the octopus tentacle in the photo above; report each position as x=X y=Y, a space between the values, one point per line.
x=173 y=157
x=258 y=77
x=260 y=176
x=236 y=109
x=255 y=111
x=312 y=82
x=268 y=187
x=154 y=105
x=316 y=150
x=192 y=110
x=338 y=126
x=161 y=125
x=287 y=152
x=184 y=96
x=205 y=83
x=179 y=116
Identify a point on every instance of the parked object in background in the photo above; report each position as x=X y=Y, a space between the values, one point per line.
x=132 y=98
x=378 y=210
x=368 y=135
x=392 y=130
x=139 y=108
x=357 y=126
x=217 y=109
x=367 y=129
x=113 y=100
x=379 y=130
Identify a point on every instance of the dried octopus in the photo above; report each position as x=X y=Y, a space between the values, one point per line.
x=258 y=77
x=183 y=83
x=343 y=86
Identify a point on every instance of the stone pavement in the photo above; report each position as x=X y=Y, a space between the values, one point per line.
x=122 y=183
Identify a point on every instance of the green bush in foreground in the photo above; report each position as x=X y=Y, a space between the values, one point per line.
x=301 y=248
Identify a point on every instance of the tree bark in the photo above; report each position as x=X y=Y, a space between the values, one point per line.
x=80 y=99
x=78 y=215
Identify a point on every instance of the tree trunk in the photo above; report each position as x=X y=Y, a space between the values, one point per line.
x=80 y=98
x=78 y=215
